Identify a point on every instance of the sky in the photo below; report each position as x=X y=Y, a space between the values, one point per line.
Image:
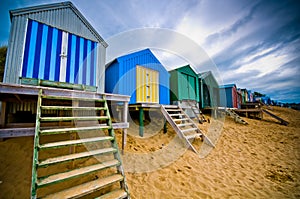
x=252 y=43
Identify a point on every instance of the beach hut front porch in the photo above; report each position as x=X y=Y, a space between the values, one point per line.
x=141 y=76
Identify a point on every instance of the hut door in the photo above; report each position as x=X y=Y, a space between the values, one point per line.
x=55 y=55
x=146 y=85
x=188 y=87
x=192 y=87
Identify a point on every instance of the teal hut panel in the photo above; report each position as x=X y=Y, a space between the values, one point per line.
x=184 y=84
x=208 y=90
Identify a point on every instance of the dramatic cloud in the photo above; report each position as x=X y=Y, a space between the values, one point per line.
x=254 y=44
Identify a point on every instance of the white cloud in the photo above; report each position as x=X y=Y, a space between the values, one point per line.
x=265 y=64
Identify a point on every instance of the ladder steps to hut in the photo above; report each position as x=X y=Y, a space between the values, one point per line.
x=74 y=156
x=116 y=194
x=193 y=136
x=189 y=130
x=197 y=112
x=235 y=116
x=185 y=124
x=72 y=108
x=178 y=114
x=72 y=98
x=76 y=173
x=86 y=188
x=86 y=118
x=75 y=129
x=75 y=142
x=181 y=132
x=62 y=152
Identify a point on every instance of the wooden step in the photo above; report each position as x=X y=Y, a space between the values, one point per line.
x=173 y=110
x=193 y=136
x=72 y=98
x=74 y=142
x=185 y=124
x=87 y=118
x=178 y=114
x=75 y=173
x=170 y=106
x=86 y=188
x=76 y=129
x=188 y=130
x=74 y=156
x=116 y=194
x=72 y=108
x=182 y=119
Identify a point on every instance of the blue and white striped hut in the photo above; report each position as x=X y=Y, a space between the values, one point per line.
x=54 y=43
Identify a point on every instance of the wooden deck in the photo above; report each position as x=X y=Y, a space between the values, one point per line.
x=24 y=93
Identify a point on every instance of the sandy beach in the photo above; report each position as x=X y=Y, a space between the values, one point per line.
x=258 y=160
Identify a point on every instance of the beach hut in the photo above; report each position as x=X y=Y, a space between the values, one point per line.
x=244 y=94
x=228 y=96
x=209 y=90
x=239 y=98
x=250 y=96
x=54 y=45
x=184 y=85
x=140 y=75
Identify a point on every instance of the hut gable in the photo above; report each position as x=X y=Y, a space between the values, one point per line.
x=184 y=84
x=62 y=15
x=124 y=75
x=59 y=37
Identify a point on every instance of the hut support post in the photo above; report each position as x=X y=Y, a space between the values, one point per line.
x=2 y=116
x=141 y=121
x=3 y=113
x=201 y=86
x=165 y=126
x=124 y=134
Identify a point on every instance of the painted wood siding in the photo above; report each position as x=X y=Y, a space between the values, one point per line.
x=184 y=84
x=56 y=55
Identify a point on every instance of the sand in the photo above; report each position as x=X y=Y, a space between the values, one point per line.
x=258 y=160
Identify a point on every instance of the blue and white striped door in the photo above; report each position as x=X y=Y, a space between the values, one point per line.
x=56 y=55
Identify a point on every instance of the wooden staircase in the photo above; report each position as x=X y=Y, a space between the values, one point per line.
x=75 y=150
x=197 y=112
x=183 y=125
x=235 y=116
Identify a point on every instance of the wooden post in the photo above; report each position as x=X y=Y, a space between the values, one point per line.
x=165 y=126
x=124 y=135
x=201 y=94
x=141 y=121
x=3 y=114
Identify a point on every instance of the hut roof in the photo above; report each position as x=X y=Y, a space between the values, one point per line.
x=56 y=6
x=227 y=86
x=207 y=74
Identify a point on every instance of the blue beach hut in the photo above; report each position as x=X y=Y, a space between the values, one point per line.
x=140 y=75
